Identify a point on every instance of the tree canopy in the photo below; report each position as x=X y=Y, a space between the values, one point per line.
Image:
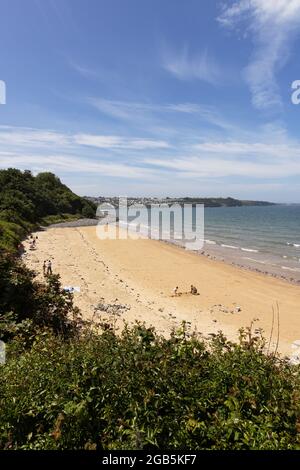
x=27 y=200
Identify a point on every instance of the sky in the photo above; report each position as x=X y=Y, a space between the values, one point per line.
x=153 y=97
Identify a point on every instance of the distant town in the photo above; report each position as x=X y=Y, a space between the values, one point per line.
x=208 y=202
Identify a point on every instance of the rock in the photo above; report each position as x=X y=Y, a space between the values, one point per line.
x=295 y=359
x=114 y=309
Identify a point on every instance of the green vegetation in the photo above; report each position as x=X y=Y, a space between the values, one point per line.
x=141 y=391
x=25 y=303
x=27 y=201
x=67 y=384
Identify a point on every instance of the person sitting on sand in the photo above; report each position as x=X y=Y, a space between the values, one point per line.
x=194 y=290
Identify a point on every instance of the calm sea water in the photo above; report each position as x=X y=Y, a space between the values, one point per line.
x=268 y=235
x=266 y=238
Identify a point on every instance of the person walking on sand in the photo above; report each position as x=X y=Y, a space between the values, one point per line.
x=44 y=268
x=49 y=268
x=175 y=291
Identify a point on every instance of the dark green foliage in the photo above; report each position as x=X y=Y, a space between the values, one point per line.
x=26 y=201
x=140 y=391
x=23 y=299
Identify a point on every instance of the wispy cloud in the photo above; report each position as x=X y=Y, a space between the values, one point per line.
x=26 y=136
x=125 y=110
x=204 y=167
x=83 y=70
x=47 y=139
x=111 y=141
x=74 y=164
x=255 y=157
x=185 y=66
x=273 y=25
x=99 y=73
x=141 y=112
x=250 y=149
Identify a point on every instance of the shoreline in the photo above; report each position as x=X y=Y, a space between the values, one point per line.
x=220 y=253
x=132 y=280
x=214 y=251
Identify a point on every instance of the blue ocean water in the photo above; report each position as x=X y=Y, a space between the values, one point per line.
x=266 y=237
x=271 y=229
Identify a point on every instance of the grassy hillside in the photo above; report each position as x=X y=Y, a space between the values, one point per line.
x=27 y=201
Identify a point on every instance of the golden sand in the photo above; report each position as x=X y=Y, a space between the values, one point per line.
x=142 y=274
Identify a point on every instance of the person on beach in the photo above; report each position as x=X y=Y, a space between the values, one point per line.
x=175 y=291
x=44 y=268
x=49 y=268
x=194 y=290
x=21 y=248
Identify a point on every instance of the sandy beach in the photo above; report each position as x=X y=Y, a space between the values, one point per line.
x=138 y=277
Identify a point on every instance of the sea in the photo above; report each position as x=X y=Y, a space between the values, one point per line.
x=265 y=238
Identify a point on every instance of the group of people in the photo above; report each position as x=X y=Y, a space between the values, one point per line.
x=47 y=267
x=193 y=291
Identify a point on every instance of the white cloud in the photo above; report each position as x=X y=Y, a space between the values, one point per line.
x=40 y=138
x=273 y=25
x=204 y=167
x=111 y=141
x=86 y=72
x=75 y=164
x=145 y=114
x=250 y=156
x=25 y=136
x=249 y=149
x=184 y=66
x=119 y=109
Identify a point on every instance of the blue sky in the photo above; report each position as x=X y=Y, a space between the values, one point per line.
x=148 y=97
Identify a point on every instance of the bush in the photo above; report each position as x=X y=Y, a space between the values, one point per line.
x=24 y=299
x=140 y=391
